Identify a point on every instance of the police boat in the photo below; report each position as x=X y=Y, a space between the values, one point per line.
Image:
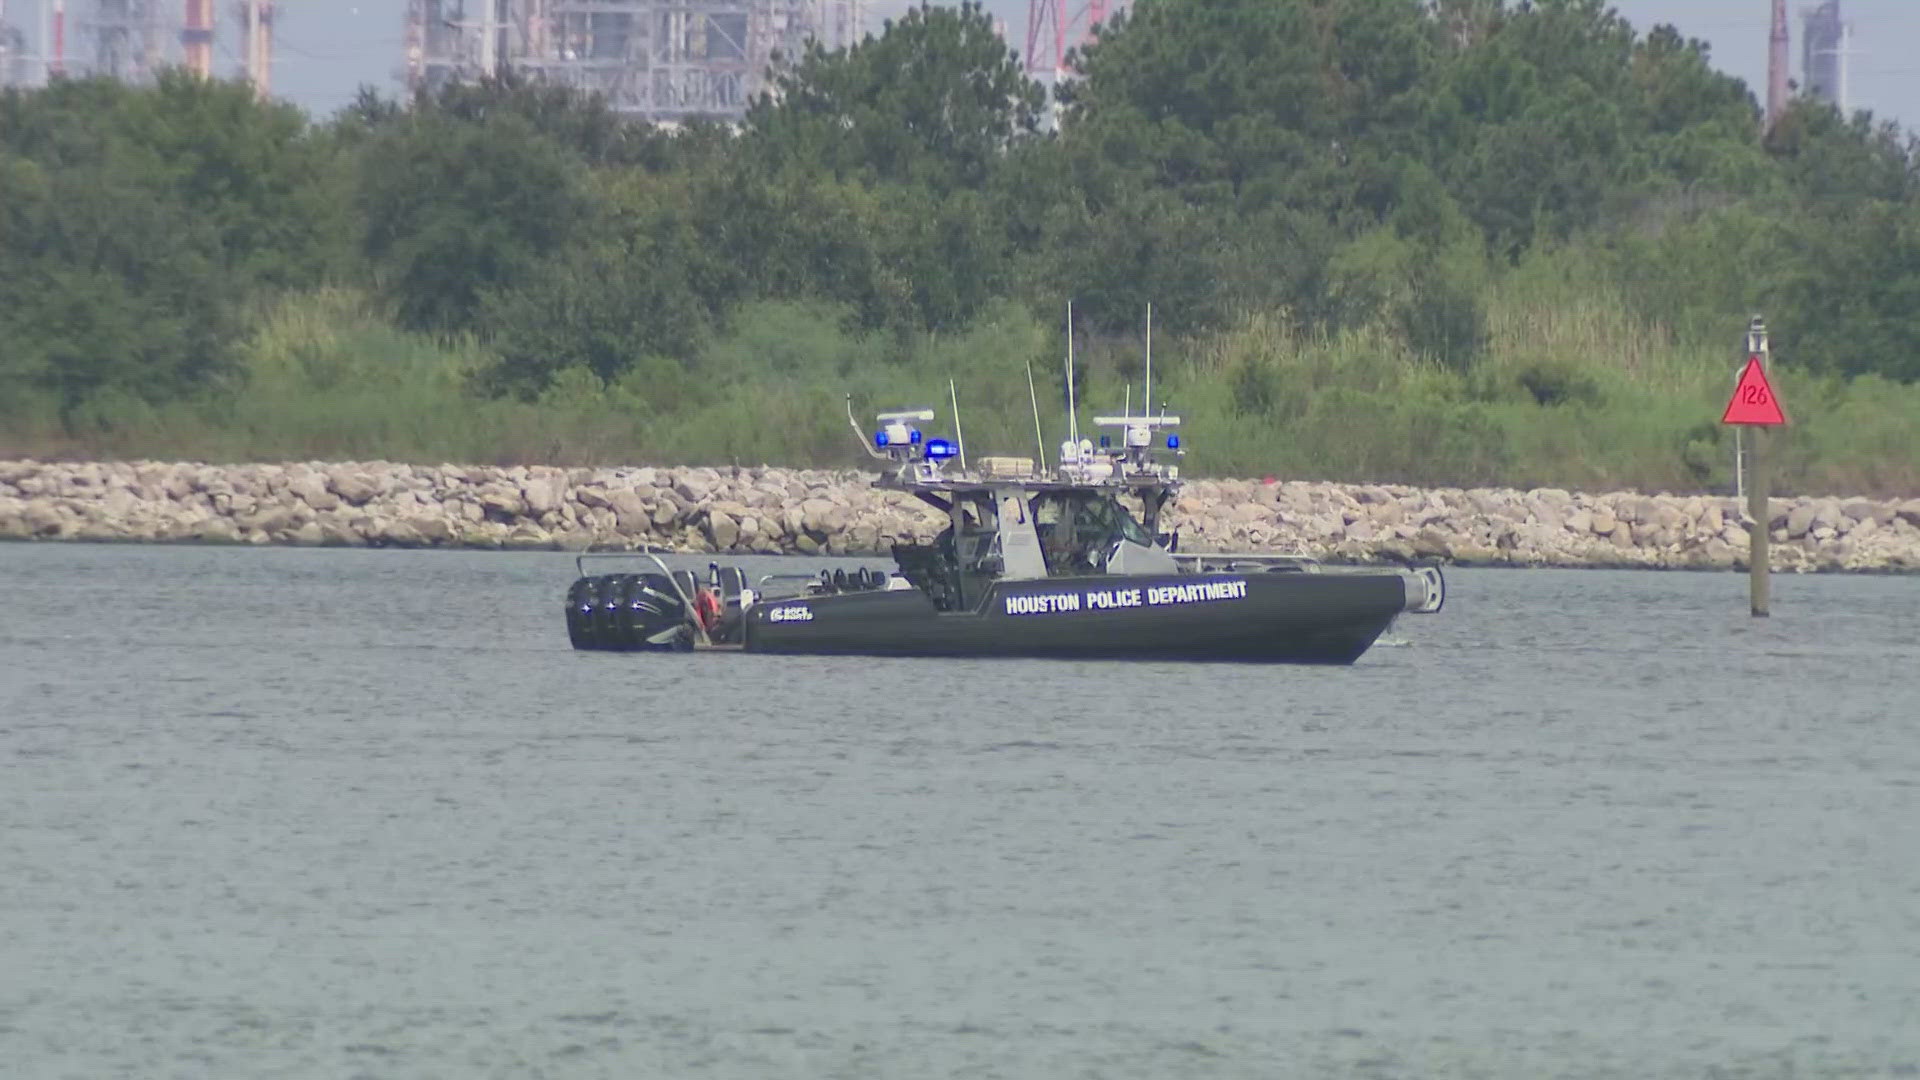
x=1063 y=563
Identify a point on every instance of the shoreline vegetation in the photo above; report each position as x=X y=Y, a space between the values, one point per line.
x=326 y=379
x=774 y=511
x=1458 y=245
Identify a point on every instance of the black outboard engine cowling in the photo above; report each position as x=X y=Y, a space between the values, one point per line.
x=625 y=612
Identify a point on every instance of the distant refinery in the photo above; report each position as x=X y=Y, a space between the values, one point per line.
x=129 y=40
x=664 y=60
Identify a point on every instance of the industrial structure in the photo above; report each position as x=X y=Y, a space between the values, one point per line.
x=1823 y=53
x=13 y=52
x=1054 y=28
x=256 y=43
x=130 y=40
x=664 y=60
x=1777 y=54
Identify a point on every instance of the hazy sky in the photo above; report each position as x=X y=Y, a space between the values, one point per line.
x=329 y=47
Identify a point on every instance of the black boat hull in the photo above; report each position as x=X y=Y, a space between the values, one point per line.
x=1301 y=618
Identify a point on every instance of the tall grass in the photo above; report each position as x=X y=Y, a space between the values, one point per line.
x=1572 y=389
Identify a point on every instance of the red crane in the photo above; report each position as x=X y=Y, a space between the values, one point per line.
x=57 y=62
x=1050 y=27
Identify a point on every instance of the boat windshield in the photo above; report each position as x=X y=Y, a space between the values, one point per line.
x=1078 y=530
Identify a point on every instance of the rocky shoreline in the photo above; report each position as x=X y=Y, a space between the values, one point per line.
x=796 y=511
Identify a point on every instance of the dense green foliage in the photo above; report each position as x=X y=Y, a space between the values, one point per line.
x=1470 y=241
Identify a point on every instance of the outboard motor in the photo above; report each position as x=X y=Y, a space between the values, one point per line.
x=583 y=599
x=622 y=612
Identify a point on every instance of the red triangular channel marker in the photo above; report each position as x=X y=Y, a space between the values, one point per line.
x=1753 y=400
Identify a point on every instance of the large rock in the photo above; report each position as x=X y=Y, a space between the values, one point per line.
x=1827 y=515
x=218 y=530
x=271 y=519
x=502 y=502
x=631 y=512
x=1800 y=520
x=722 y=530
x=401 y=534
x=1432 y=544
x=355 y=488
x=42 y=518
x=337 y=533
x=13 y=518
x=312 y=489
x=542 y=495
x=1859 y=509
x=692 y=487
x=431 y=528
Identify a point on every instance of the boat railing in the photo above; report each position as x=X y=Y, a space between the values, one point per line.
x=1426 y=586
x=1228 y=563
x=796 y=584
x=651 y=555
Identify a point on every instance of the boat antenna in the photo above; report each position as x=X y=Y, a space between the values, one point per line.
x=859 y=434
x=1039 y=442
x=1073 y=418
x=958 y=436
x=1146 y=405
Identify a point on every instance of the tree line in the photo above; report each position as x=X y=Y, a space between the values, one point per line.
x=1326 y=165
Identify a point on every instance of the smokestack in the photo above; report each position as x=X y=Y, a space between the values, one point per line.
x=57 y=63
x=1777 y=65
x=256 y=18
x=197 y=38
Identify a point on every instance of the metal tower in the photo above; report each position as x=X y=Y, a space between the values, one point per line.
x=129 y=39
x=1823 y=59
x=1051 y=32
x=1777 y=53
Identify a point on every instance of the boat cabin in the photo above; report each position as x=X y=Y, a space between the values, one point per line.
x=1027 y=531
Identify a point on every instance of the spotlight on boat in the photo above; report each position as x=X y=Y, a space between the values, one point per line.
x=1173 y=441
x=940 y=450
